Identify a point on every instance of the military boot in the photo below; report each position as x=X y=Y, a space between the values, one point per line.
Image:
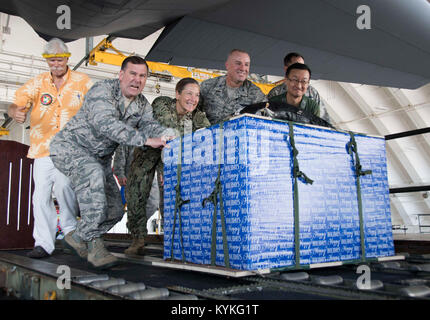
x=98 y=256
x=137 y=247
x=73 y=242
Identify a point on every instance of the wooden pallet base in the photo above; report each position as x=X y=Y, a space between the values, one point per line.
x=222 y=271
x=217 y=270
x=210 y=269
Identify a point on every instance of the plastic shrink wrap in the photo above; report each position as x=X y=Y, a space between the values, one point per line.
x=266 y=222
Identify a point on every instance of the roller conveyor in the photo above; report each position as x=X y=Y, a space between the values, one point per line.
x=142 y=278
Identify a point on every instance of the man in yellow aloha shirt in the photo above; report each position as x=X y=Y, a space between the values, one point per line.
x=52 y=99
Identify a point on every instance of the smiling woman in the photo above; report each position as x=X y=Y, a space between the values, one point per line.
x=187 y=95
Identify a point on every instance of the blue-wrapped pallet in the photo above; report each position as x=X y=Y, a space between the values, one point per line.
x=286 y=195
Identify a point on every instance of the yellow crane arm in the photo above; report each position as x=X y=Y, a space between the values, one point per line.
x=99 y=54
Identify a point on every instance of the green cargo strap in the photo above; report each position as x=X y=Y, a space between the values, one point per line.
x=213 y=197
x=353 y=151
x=296 y=174
x=179 y=202
x=296 y=171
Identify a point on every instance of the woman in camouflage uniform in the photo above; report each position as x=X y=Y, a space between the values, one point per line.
x=176 y=113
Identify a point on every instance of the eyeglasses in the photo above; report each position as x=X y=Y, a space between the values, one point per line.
x=297 y=81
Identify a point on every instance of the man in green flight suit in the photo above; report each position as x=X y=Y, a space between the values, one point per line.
x=179 y=113
x=297 y=77
x=311 y=92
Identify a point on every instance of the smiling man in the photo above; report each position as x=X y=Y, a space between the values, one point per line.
x=311 y=92
x=297 y=78
x=223 y=96
x=114 y=112
x=55 y=97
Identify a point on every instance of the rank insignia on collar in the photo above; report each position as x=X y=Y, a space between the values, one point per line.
x=46 y=99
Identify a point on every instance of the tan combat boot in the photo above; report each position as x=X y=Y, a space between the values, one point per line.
x=73 y=242
x=137 y=247
x=98 y=256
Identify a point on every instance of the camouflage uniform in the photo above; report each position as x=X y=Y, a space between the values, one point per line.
x=216 y=103
x=311 y=93
x=148 y=160
x=121 y=168
x=122 y=160
x=83 y=151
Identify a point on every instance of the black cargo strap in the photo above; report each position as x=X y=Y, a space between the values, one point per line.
x=213 y=197
x=353 y=151
x=296 y=174
x=179 y=202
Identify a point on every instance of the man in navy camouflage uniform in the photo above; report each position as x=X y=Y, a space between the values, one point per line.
x=114 y=112
x=179 y=113
x=121 y=167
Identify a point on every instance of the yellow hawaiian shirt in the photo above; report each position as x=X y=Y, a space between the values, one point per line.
x=51 y=108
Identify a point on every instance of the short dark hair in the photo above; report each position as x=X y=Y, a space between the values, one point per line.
x=183 y=82
x=290 y=56
x=133 y=60
x=300 y=66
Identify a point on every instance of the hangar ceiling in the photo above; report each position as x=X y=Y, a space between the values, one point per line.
x=339 y=40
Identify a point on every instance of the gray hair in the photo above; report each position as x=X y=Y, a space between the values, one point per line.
x=55 y=46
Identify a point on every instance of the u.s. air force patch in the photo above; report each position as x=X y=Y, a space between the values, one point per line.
x=46 y=99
